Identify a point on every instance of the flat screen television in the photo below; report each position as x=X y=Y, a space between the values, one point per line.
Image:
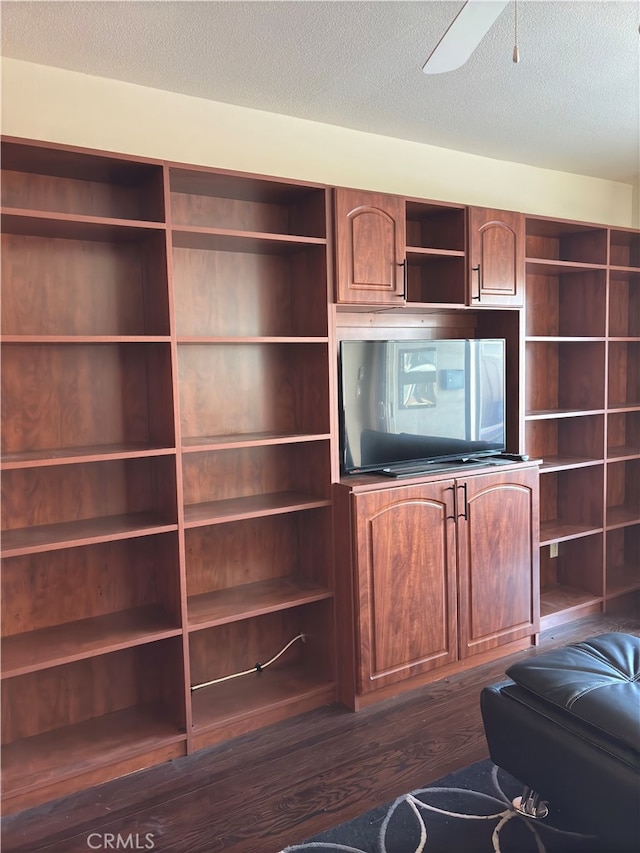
x=409 y=404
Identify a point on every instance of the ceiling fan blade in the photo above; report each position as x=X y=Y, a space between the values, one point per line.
x=462 y=37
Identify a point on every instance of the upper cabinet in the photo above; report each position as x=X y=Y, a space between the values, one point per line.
x=403 y=252
x=370 y=241
x=496 y=257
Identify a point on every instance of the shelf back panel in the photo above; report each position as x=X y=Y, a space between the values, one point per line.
x=77 y=395
x=573 y=497
x=243 y=472
x=237 y=646
x=236 y=294
x=231 y=555
x=35 y=497
x=42 y=590
x=624 y=305
x=579 y=438
x=252 y=388
x=209 y=200
x=565 y=375
x=624 y=373
x=96 y=687
x=577 y=566
x=54 y=286
x=566 y=305
x=71 y=182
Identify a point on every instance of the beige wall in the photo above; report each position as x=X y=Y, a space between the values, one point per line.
x=62 y=106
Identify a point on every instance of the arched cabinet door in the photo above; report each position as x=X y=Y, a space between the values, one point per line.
x=496 y=257
x=498 y=559
x=405 y=583
x=370 y=248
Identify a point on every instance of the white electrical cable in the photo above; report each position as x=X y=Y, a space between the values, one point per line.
x=257 y=668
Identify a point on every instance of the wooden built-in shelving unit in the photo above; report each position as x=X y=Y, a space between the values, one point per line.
x=166 y=458
x=583 y=409
x=170 y=439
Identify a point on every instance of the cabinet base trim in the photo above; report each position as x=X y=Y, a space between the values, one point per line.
x=361 y=701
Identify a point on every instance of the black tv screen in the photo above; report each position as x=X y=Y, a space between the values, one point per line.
x=420 y=401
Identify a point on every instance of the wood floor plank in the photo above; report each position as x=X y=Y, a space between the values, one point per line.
x=274 y=787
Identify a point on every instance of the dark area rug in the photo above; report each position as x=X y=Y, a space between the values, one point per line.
x=468 y=811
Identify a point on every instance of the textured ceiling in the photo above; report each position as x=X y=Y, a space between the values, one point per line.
x=572 y=103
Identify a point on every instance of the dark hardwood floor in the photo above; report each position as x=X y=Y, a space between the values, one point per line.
x=271 y=788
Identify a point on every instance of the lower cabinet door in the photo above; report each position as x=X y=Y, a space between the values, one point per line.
x=405 y=582
x=498 y=559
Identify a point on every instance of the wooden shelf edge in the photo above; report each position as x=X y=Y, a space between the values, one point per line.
x=622 y=590
x=562 y=617
x=565 y=339
x=621 y=408
x=552 y=414
x=228 y=442
x=51 y=537
x=57 y=645
x=17 y=801
x=186 y=340
x=77 y=455
x=554 y=532
x=236 y=726
x=426 y=252
x=85 y=339
x=236 y=712
x=434 y=307
x=208 y=610
x=624 y=269
x=255 y=506
x=67 y=752
x=564 y=463
x=561 y=604
x=628 y=406
x=562 y=597
x=623 y=454
x=621 y=517
x=203 y=237
x=545 y=266
x=61 y=221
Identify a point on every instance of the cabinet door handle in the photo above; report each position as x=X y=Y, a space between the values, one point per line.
x=455 y=508
x=479 y=271
x=464 y=514
x=403 y=264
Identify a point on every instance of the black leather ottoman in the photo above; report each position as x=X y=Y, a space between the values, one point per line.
x=567 y=725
